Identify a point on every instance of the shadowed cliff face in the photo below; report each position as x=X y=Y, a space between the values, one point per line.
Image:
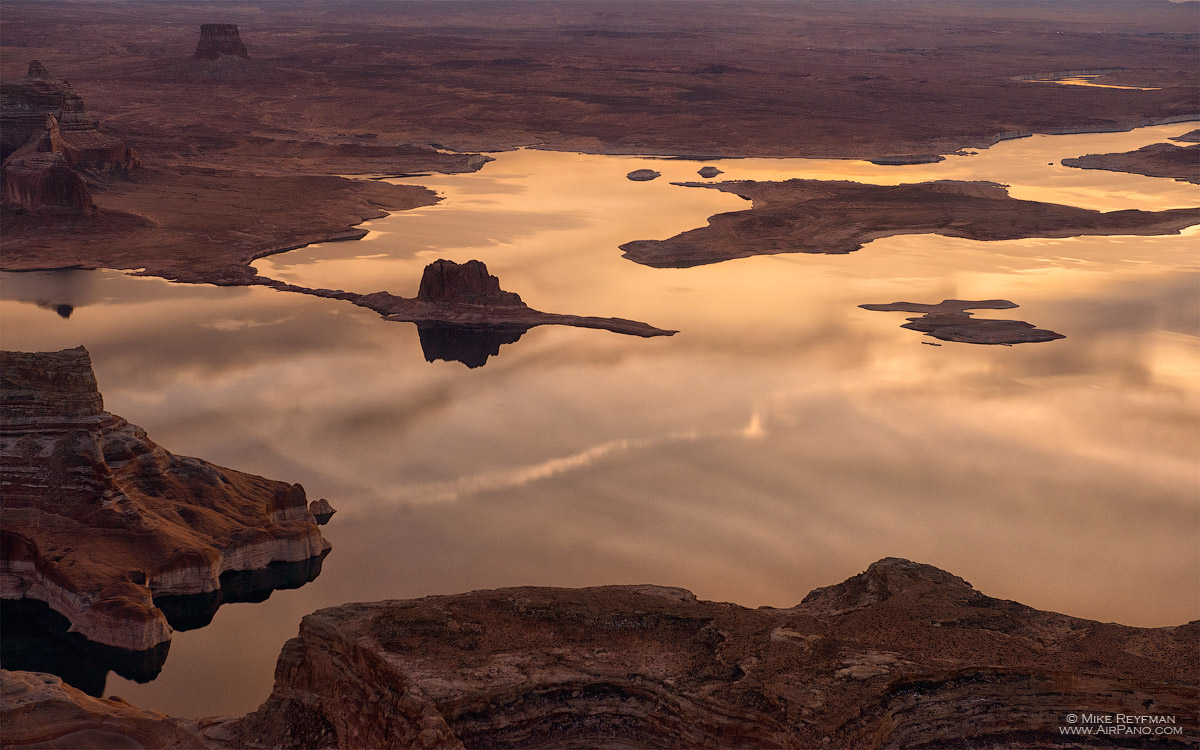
x=100 y=523
x=902 y=655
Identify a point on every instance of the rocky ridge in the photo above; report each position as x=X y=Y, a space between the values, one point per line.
x=901 y=655
x=815 y=216
x=101 y=524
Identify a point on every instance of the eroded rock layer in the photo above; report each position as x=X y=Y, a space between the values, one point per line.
x=903 y=655
x=46 y=135
x=815 y=216
x=99 y=521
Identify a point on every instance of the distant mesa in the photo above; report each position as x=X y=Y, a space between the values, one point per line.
x=907 y=159
x=220 y=56
x=949 y=321
x=109 y=543
x=643 y=175
x=709 y=172
x=218 y=39
x=48 y=143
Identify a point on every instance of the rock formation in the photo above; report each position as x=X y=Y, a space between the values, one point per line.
x=39 y=182
x=445 y=283
x=950 y=321
x=707 y=172
x=45 y=134
x=24 y=111
x=1192 y=136
x=321 y=510
x=902 y=655
x=462 y=313
x=816 y=216
x=1156 y=160
x=643 y=175
x=102 y=525
x=220 y=56
x=218 y=39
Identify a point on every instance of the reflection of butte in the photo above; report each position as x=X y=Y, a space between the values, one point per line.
x=950 y=321
x=108 y=542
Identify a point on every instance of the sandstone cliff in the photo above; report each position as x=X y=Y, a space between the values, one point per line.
x=102 y=525
x=901 y=656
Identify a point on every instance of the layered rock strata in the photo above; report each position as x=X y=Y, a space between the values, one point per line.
x=46 y=137
x=902 y=655
x=99 y=521
x=814 y=216
x=949 y=321
x=1156 y=160
x=25 y=107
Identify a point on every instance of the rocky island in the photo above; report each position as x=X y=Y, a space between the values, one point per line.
x=813 y=216
x=119 y=538
x=949 y=321
x=1156 y=160
x=901 y=655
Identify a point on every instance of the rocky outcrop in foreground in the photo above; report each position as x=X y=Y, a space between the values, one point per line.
x=950 y=321
x=815 y=216
x=902 y=655
x=118 y=537
x=1156 y=160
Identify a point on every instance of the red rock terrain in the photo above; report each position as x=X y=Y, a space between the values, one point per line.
x=1156 y=160
x=46 y=139
x=103 y=525
x=901 y=656
x=813 y=216
x=368 y=87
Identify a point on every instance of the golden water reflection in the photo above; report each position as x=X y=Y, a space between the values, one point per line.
x=783 y=440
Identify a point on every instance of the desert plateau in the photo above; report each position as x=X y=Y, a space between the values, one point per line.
x=546 y=364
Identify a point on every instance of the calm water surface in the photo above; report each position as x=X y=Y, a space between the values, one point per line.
x=784 y=440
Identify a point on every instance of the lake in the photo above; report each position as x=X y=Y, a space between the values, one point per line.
x=783 y=440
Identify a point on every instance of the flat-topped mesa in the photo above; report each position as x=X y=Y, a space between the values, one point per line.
x=445 y=282
x=99 y=522
x=218 y=39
